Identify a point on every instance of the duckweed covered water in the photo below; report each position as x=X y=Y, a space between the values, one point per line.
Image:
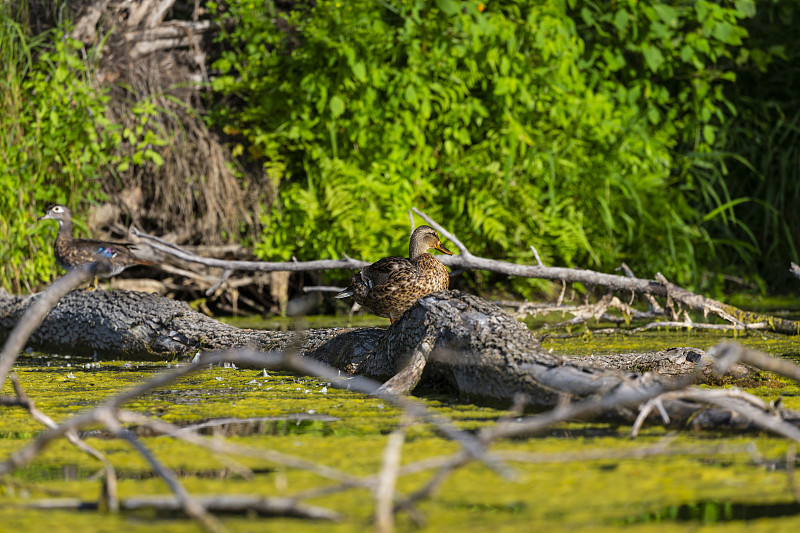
x=729 y=481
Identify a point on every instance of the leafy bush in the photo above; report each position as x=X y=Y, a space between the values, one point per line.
x=495 y=119
x=673 y=61
x=759 y=151
x=56 y=143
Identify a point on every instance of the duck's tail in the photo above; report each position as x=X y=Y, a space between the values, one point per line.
x=345 y=293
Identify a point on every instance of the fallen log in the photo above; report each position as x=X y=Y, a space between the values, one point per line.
x=448 y=340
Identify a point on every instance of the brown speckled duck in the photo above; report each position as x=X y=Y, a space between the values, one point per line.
x=393 y=284
x=71 y=252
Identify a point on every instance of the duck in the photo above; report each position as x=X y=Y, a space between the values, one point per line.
x=71 y=252
x=390 y=286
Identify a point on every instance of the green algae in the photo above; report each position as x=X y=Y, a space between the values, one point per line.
x=700 y=488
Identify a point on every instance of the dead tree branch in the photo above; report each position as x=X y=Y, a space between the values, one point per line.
x=729 y=353
x=466 y=260
x=36 y=312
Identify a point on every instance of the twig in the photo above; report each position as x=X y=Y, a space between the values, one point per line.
x=239 y=504
x=322 y=288
x=257 y=266
x=220 y=446
x=450 y=465
x=110 y=495
x=795 y=269
x=35 y=313
x=190 y=506
x=791 y=456
x=563 y=291
x=700 y=325
x=757 y=416
x=645 y=411
x=222 y=279
x=536 y=255
x=387 y=479
x=651 y=301
x=299 y=417
x=728 y=353
x=660 y=449
x=621 y=396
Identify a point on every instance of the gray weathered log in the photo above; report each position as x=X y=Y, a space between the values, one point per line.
x=455 y=340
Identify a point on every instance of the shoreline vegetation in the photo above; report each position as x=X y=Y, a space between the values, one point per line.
x=613 y=148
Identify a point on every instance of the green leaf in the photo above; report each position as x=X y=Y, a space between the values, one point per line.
x=621 y=19
x=709 y=133
x=746 y=8
x=337 y=106
x=448 y=7
x=223 y=64
x=61 y=74
x=411 y=94
x=653 y=57
x=360 y=71
x=587 y=16
x=667 y=14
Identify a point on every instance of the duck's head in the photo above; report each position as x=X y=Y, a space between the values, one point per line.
x=423 y=239
x=57 y=212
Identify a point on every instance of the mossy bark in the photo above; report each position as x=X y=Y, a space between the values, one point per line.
x=448 y=339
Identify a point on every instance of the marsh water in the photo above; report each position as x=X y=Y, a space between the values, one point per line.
x=555 y=482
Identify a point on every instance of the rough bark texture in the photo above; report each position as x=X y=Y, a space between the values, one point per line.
x=448 y=339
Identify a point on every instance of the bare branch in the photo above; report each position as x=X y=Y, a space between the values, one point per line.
x=536 y=255
x=190 y=506
x=791 y=456
x=387 y=479
x=110 y=486
x=86 y=24
x=466 y=260
x=157 y=14
x=35 y=313
x=728 y=353
x=241 y=504
x=222 y=279
x=795 y=269
x=257 y=266
x=219 y=446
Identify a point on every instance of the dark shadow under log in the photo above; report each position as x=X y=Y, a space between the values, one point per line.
x=449 y=340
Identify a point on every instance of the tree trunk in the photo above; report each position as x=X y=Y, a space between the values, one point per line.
x=449 y=340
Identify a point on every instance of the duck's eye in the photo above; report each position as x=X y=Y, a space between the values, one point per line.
x=57 y=209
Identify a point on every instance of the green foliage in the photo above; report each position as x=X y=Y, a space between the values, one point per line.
x=673 y=62
x=56 y=143
x=513 y=126
x=667 y=59
x=758 y=151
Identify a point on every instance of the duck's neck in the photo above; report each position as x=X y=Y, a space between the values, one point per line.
x=416 y=250
x=64 y=230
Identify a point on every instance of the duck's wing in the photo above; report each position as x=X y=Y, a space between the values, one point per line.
x=116 y=252
x=386 y=272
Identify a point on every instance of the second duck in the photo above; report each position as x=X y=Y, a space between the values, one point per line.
x=392 y=285
x=71 y=252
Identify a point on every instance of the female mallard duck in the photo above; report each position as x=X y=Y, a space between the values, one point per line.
x=72 y=253
x=393 y=284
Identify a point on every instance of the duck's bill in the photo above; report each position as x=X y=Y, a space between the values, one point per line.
x=439 y=246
